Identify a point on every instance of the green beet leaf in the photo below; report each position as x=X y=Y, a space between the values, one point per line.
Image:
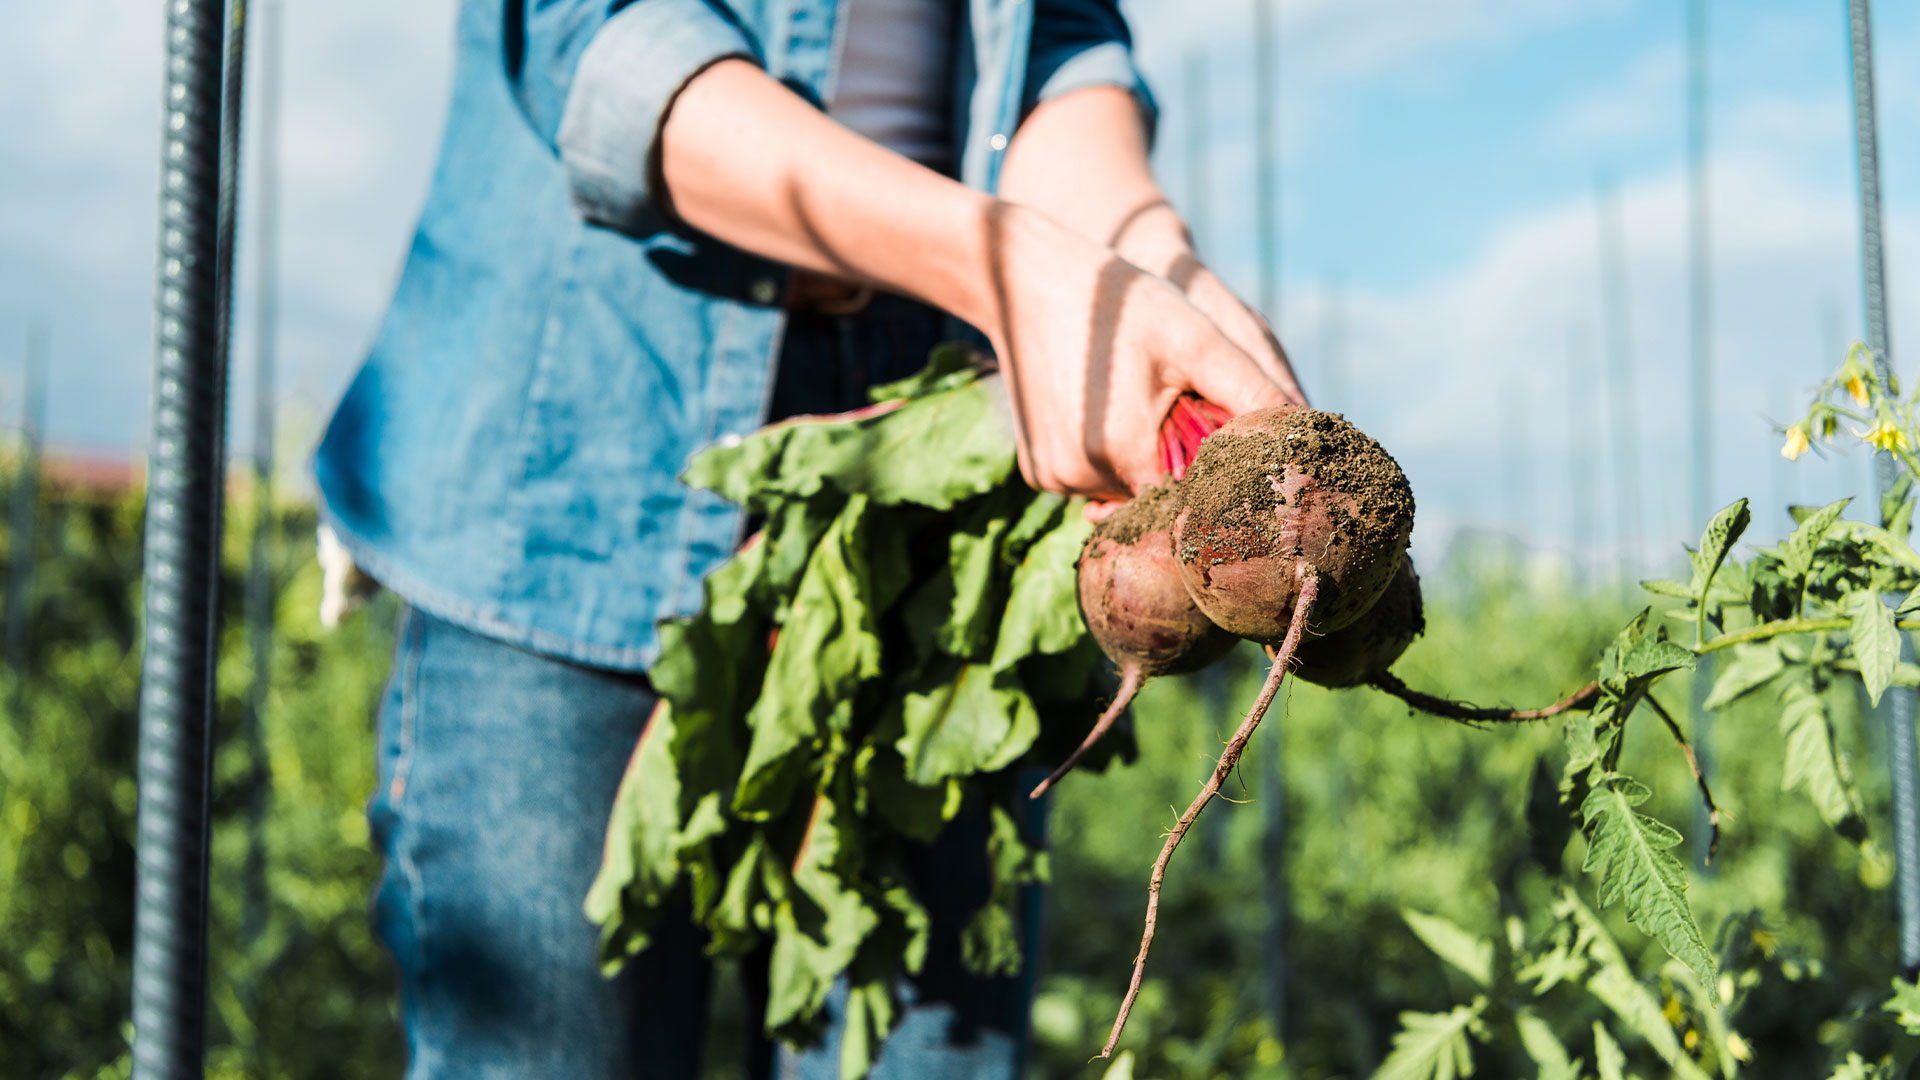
x=818 y=927
x=936 y=452
x=829 y=645
x=964 y=721
x=1043 y=609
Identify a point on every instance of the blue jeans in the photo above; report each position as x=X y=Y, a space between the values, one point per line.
x=497 y=771
x=498 y=768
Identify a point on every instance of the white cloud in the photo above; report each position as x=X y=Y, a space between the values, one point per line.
x=1642 y=103
x=364 y=86
x=1431 y=363
x=1428 y=365
x=1351 y=39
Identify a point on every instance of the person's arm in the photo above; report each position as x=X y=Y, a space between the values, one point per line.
x=1081 y=158
x=1095 y=349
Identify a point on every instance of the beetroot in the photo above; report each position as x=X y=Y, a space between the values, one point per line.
x=1290 y=528
x=1292 y=524
x=1132 y=597
x=1354 y=654
x=1136 y=607
x=1277 y=495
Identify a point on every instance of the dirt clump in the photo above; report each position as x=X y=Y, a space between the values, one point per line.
x=1279 y=487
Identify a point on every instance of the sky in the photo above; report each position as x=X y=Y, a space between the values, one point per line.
x=1439 y=176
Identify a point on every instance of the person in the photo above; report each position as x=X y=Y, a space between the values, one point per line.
x=653 y=225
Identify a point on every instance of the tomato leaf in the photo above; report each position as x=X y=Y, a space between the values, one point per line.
x=1630 y=852
x=1722 y=533
x=1450 y=942
x=1814 y=762
x=1874 y=640
x=1752 y=667
x=1796 y=552
x=1433 y=1046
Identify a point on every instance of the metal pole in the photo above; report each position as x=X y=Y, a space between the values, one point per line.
x=1619 y=335
x=1333 y=345
x=1701 y=304
x=181 y=552
x=259 y=597
x=1833 y=338
x=1198 y=225
x=1273 y=858
x=1580 y=410
x=1266 y=155
x=1780 y=403
x=1898 y=705
x=1514 y=453
x=1266 y=94
x=265 y=329
x=25 y=500
x=1213 y=689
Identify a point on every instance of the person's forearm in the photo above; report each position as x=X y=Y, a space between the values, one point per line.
x=1082 y=159
x=747 y=161
x=1095 y=349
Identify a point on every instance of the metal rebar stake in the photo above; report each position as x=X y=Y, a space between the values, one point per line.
x=182 y=548
x=1623 y=428
x=259 y=585
x=1266 y=107
x=1898 y=705
x=25 y=498
x=1700 y=291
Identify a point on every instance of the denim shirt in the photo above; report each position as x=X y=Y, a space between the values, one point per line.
x=556 y=348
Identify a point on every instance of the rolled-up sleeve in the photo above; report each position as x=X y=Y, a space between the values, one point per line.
x=1080 y=43
x=596 y=80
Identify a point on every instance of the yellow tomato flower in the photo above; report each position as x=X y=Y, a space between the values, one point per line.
x=1885 y=436
x=1796 y=443
x=1857 y=389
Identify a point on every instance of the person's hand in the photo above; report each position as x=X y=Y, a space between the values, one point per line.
x=1156 y=240
x=1096 y=349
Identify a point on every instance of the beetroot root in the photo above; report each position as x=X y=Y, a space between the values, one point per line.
x=1276 y=492
x=1137 y=609
x=1368 y=646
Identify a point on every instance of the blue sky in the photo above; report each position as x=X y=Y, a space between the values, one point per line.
x=1439 y=163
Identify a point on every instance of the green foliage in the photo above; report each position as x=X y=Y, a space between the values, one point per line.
x=883 y=655
x=1438 y=917
x=298 y=987
x=1433 y=1046
x=1630 y=852
x=1390 y=813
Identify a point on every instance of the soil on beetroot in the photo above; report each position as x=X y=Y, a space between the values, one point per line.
x=1153 y=508
x=1371 y=643
x=1327 y=467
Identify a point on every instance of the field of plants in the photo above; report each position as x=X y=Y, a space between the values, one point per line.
x=1434 y=919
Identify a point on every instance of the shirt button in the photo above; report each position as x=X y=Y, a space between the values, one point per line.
x=998 y=142
x=763 y=290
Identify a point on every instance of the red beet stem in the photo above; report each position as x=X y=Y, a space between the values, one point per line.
x=1309 y=588
x=1189 y=420
x=1214 y=415
x=1130 y=683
